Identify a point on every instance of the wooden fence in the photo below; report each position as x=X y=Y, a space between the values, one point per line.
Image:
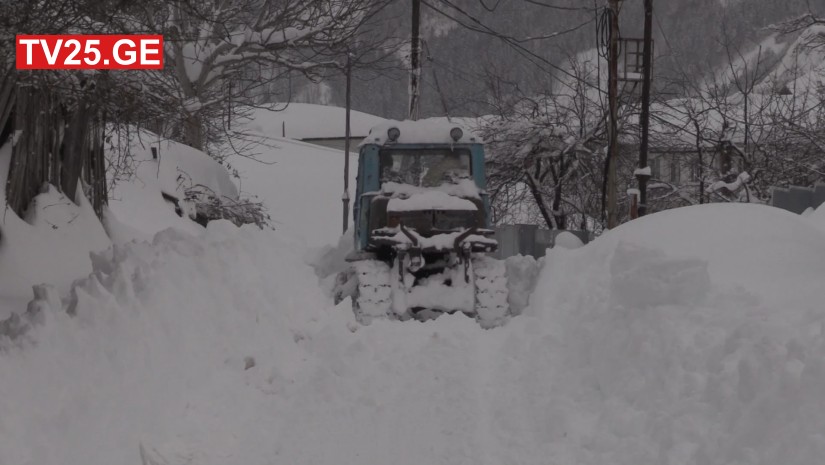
x=58 y=139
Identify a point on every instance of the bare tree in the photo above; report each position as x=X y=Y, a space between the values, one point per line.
x=223 y=53
x=546 y=157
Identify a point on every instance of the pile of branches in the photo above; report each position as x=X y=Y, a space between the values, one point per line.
x=203 y=205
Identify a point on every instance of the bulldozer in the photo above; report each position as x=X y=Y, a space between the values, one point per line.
x=422 y=230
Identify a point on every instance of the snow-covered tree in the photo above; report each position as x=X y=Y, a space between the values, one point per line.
x=755 y=125
x=223 y=52
x=546 y=154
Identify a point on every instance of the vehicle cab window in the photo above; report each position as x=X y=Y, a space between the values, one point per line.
x=424 y=167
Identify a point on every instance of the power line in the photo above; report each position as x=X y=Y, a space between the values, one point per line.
x=559 y=7
x=488 y=8
x=539 y=61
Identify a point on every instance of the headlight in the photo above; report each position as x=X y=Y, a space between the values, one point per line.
x=456 y=134
x=393 y=134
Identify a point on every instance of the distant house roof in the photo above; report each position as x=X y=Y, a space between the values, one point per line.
x=308 y=121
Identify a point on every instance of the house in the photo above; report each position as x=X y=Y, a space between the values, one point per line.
x=315 y=124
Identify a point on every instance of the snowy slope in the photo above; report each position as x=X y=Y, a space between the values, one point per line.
x=801 y=68
x=301 y=184
x=305 y=120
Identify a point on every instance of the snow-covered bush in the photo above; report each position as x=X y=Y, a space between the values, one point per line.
x=203 y=205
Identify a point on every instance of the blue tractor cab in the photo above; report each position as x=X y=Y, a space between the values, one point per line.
x=433 y=158
x=422 y=225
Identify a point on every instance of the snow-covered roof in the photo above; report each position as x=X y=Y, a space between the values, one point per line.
x=802 y=66
x=308 y=121
x=425 y=131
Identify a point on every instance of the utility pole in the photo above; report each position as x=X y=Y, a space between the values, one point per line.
x=415 y=60
x=345 y=197
x=643 y=172
x=613 y=97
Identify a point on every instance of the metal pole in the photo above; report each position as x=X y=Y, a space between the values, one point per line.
x=642 y=176
x=415 y=62
x=613 y=96
x=345 y=197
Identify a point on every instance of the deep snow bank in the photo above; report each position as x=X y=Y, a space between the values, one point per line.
x=817 y=218
x=139 y=179
x=156 y=353
x=693 y=336
x=51 y=244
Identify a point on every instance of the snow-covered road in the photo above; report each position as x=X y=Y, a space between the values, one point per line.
x=691 y=337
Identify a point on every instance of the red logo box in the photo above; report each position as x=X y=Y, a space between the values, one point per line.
x=89 y=51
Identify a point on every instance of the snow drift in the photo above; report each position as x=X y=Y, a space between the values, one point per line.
x=51 y=244
x=693 y=336
x=144 y=167
x=155 y=355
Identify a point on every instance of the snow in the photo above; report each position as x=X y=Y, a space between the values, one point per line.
x=800 y=68
x=701 y=342
x=137 y=209
x=630 y=76
x=424 y=131
x=434 y=294
x=155 y=356
x=304 y=120
x=646 y=171
x=567 y=240
x=694 y=336
x=430 y=200
x=51 y=244
x=301 y=185
x=817 y=217
x=741 y=179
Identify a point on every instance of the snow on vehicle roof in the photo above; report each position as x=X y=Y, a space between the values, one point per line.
x=430 y=200
x=425 y=131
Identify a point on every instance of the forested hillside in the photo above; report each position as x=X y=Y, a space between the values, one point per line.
x=479 y=52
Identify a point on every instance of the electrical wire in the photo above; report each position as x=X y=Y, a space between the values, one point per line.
x=538 y=60
x=490 y=9
x=558 y=7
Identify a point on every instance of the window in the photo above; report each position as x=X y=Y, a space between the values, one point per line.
x=675 y=171
x=656 y=168
x=426 y=168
